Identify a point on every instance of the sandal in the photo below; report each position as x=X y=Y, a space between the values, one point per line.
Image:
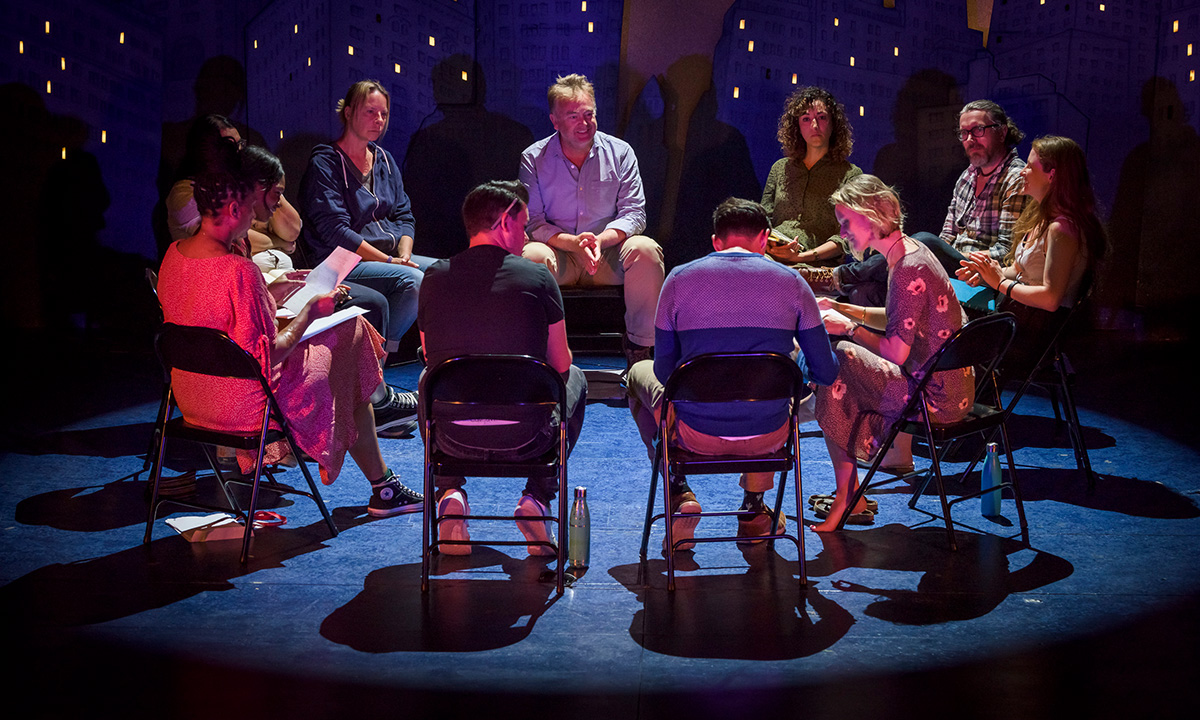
x=866 y=517
x=814 y=500
x=889 y=469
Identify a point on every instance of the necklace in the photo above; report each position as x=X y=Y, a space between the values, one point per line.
x=899 y=241
x=990 y=172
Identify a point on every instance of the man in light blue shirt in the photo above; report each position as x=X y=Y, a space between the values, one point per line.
x=587 y=208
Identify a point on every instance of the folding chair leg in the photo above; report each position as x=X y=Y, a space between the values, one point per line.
x=428 y=524
x=649 y=511
x=1016 y=486
x=316 y=495
x=1082 y=461
x=670 y=534
x=941 y=484
x=799 y=492
x=155 y=479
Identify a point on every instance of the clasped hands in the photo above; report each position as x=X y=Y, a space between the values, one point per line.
x=979 y=268
x=587 y=246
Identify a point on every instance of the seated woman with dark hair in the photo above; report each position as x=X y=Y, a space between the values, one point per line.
x=887 y=349
x=816 y=138
x=1062 y=242
x=271 y=238
x=324 y=384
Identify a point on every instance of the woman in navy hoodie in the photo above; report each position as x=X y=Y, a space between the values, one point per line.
x=352 y=196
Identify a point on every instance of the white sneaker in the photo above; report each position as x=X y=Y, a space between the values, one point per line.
x=453 y=502
x=529 y=506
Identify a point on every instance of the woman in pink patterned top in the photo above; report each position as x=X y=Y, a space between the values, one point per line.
x=324 y=385
x=887 y=349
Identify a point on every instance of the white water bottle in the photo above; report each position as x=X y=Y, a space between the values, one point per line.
x=579 y=526
x=989 y=502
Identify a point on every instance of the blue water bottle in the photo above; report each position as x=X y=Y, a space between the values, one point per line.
x=989 y=502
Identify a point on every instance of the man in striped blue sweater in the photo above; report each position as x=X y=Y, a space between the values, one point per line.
x=731 y=300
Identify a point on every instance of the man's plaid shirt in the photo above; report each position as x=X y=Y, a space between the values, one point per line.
x=985 y=221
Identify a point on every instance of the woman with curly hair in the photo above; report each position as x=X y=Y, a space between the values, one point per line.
x=886 y=350
x=816 y=140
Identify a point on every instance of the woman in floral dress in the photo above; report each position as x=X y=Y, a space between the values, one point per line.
x=886 y=349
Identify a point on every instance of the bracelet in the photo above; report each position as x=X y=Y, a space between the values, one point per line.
x=1008 y=293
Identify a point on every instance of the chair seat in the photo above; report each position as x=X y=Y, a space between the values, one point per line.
x=247 y=440
x=544 y=465
x=682 y=461
x=980 y=418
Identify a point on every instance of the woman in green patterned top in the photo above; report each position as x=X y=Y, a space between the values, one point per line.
x=816 y=140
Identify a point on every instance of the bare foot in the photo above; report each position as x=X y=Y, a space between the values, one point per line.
x=835 y=514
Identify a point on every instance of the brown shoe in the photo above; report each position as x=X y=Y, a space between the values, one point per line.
x=634 y=353
x=822 y=280
x=752 y=529
x=683 y=528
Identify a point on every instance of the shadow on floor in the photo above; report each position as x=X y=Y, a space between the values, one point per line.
x=953 y=585
x=146 y=577
x=711 y=616
x=503 y=602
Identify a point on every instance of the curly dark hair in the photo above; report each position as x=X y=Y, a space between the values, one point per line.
x=223 y=180
x=841 y=136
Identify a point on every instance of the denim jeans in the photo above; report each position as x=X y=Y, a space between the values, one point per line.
x=398 y=286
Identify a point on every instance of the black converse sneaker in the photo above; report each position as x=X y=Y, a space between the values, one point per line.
x=392 y=497
x=397 y=413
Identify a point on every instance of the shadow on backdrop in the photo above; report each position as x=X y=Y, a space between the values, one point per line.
x=716 y=165
x=925 y=187
x=1148 y=221
x=466 y=145
x=645 y=133
x=220 y=89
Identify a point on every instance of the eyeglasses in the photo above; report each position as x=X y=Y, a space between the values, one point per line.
x=975 y=132
x=500 y=217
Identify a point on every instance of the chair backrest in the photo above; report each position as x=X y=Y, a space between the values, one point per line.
x=205 y=351
x=736 y=377
x=504 y=407
x=152 y=281
x=980 y=343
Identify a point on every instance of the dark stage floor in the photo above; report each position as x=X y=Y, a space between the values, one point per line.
x=1098 y=618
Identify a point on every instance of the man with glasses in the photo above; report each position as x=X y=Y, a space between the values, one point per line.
x=587 y=210
x=988 y=198
x=487 y=299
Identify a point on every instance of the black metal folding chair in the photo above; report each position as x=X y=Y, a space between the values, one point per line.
x=727 y=378
x=206 y=351
x=459 y=398
x=980 y=344
x=1053 y=373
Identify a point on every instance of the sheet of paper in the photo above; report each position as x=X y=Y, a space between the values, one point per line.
x=339 y=317
x=323 y=279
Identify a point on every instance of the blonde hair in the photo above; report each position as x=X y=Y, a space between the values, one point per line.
x=872 y=198
x=567 y=87
x=357 y=94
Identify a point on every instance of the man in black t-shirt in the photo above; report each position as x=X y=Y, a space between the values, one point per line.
x=488 y=299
